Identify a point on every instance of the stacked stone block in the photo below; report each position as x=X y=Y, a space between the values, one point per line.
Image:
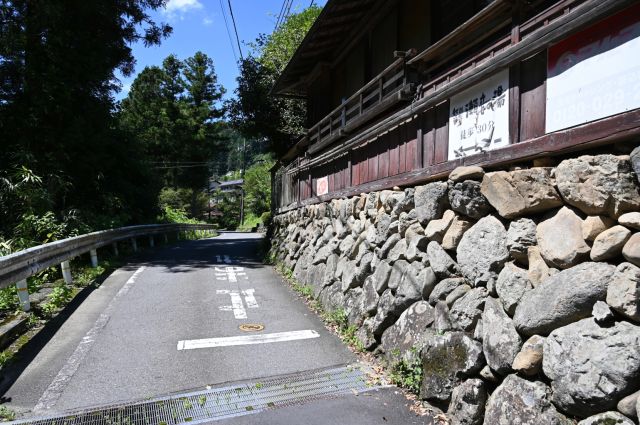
x=518 y=290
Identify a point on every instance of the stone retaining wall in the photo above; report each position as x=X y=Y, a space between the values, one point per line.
x=519 y=291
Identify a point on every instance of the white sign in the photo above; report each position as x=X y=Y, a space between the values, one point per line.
x=595 y=73
x=322 y=186
x=479 y=117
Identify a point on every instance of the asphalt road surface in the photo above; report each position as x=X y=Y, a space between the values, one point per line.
x=171 y=323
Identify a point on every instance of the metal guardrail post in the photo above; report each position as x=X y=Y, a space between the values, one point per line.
x=23 y=295
x=166 y=238
x=94 y=258
x=134 y=244
x=151 y=241
x=115 y=248
x=66 y=272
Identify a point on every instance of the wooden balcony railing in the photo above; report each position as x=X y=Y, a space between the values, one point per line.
x=391 y=86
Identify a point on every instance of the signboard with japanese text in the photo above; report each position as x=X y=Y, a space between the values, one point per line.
x=479 y=117
x=322 y=186
x=595 y=73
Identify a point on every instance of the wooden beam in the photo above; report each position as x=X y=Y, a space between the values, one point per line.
x=495 y=10
x=586 y=14
x=609 y=130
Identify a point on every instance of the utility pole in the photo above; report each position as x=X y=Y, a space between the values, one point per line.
x=244 y=147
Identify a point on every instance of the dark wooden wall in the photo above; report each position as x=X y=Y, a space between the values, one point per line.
x=415 y=150
x=423 y=141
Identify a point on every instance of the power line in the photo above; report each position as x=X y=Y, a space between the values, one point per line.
x=169 y=167
x=280 y=14
x=286 y=7
x=226 y=25
x=288 y=11
x=235 y=29
x=311 y=4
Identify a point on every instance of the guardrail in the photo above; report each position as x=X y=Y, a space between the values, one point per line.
x=17 y=267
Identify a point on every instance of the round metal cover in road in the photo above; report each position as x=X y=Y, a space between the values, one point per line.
x=251 y=327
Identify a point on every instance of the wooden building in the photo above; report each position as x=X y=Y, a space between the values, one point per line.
x=400 y=92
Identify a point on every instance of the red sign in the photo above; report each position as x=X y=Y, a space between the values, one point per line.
x=598 y=38
x=322 y=186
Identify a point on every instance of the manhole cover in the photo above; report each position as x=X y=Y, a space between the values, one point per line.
x=251 y=327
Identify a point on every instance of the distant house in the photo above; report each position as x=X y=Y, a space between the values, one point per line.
x=229 y=186
x=400 y=92
x=232 y=189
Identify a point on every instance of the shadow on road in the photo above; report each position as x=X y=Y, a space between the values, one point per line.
x=180 y=257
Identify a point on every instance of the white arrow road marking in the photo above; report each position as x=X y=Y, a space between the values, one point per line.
x=246 y=339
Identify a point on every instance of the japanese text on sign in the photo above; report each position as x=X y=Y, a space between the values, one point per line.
x=479 y=117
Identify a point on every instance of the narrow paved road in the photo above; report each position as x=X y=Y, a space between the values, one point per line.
x=171 y=324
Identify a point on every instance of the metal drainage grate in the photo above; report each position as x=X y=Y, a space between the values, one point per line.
x=218 y=403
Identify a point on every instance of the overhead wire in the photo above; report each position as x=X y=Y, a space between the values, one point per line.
x=286 y=15
x=235 y=29
x=280 y=14
x=226 y=25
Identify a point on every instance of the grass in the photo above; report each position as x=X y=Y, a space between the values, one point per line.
x=250 y=221
x=407 y=373
x=7 y=414
x=335 y=319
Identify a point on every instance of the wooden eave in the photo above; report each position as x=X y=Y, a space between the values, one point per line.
x=328 y=32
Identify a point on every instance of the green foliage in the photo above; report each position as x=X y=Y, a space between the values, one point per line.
x=250 y=221
x=257 y=185
x=228 y=206
x=172 y=112
x=265 y=218
x=61 y=151
x=255 y=113
x=408 y=373
x=171 y=215
x=58 y=298
x=7 y=414
x=9 y=299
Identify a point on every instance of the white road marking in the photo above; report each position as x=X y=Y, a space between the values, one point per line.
x=237 y=306
x=230 y=273
x=246 y=340
x=53 y=392
x=249 y=298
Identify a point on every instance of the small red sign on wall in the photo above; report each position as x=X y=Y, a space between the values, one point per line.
x=322 y=186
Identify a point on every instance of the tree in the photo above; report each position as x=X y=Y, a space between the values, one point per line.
x=174 y=112
x=257 y=185
x=254 y=112
x=58 y=62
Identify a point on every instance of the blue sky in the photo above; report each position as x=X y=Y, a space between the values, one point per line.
x=199 y=25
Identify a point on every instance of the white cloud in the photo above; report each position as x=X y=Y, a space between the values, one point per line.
x=207 y=21
x=178 y=8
